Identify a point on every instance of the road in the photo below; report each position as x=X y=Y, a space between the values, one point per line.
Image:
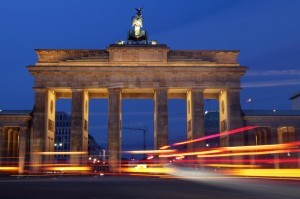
x=115 y=187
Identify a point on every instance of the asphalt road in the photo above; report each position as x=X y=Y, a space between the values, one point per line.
x=115 y=187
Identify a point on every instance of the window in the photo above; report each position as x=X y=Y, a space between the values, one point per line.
x=286 y=134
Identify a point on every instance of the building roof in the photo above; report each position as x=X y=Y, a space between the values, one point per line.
x=271 y=113
x=15 y=112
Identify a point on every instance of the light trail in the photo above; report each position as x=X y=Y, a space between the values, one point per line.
x=265 y=172
x=164 y=147
x=62 y=153
x=231 y=165
x=147 y=170
x=251 y=150
x=9 y=168
x=208 y=160
x=255 y=150
x=191 y=153
x=51 y=165
x=216 y=135
x=250 y=153
x=262 y=147
x=83 y=168
x=150 y=151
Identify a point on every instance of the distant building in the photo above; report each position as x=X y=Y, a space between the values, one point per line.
x=95 y=150
x=62 y=140
x=211 y=123
x=97 y=156
x=295 y=101
x=62 y=135
x=275 y=126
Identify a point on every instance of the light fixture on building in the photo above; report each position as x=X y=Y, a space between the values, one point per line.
x=153 y=42
x=120 y=42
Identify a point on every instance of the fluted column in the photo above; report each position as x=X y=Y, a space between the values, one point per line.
x=79 y=125
x=22 y=148
x=42 y=136
x=114 y=128
x=160 y=118
x=230 y=116
x=195 y=118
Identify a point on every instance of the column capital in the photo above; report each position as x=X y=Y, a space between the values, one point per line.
x=41 y=90
x=10 y=129
x=79 y=90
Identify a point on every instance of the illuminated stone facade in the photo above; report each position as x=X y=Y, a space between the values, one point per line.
x=132 y=71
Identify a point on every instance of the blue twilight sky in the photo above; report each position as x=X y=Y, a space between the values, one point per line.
x=267 y=32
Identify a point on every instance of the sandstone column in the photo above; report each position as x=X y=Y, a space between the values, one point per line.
x=275 y=140
x=4 y=153
x=10 y=137
x=42 y=136
x=114 y=129
x=230 y=117
x=195 y=118
x=22 y=148
x=79 y=125
x=15 y=145
x=160 y=118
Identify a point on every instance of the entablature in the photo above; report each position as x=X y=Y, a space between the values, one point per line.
x=136 y=55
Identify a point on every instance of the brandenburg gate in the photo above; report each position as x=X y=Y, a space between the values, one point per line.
x=138 y=69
